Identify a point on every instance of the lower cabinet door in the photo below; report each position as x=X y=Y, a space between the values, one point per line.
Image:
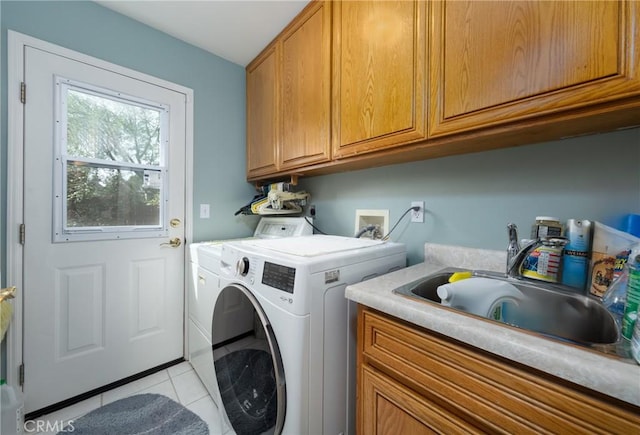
x=387 y=407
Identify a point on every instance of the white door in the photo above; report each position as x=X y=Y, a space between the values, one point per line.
x=104 y=159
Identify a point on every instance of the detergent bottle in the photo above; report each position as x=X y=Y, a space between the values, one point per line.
x=12 y=407
x=480 y=296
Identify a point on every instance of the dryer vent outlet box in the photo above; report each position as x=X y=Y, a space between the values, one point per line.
x=378 y=218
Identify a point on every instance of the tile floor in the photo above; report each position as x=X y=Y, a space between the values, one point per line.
x=178 y=382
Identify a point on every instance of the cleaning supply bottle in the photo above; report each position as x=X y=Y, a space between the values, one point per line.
x=575 y=256
x=546 y=226
x=480 y=296
x=633 y=293
x=11 y=408
x=543 y=262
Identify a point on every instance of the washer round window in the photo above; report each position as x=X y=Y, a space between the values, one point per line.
x=247 y=362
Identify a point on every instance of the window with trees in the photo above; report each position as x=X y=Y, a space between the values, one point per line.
x=110 y=164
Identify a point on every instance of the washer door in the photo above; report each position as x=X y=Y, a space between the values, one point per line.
x=248 y=368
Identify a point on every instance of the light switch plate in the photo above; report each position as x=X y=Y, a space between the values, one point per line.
x=204 y=211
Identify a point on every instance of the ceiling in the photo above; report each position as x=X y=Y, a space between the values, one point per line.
x=236 y=30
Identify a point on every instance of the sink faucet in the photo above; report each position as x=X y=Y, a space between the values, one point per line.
x=517 y=254
x=514 y=246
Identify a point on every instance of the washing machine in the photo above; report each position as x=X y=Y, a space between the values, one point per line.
x=291 y=369
x=203 y=285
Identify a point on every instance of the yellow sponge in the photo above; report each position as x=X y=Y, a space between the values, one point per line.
x=459 y=276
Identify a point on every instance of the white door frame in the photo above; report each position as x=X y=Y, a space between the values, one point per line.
x=15 y=176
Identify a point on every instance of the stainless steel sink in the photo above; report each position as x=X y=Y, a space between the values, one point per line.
x=545 y=309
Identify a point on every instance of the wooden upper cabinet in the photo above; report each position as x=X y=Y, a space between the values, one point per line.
x=306 y=88
x=289 y=97
x=414 y=79
x=379 y=75
x=262 y=114
x=494 y=62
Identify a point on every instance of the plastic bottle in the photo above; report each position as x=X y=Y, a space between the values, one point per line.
x=12 y=407
x=480 y=296
x=546 y=226
x=575 y=256
x=615 y=298
x=633 y=293
x=543 y=262
x=635 y=340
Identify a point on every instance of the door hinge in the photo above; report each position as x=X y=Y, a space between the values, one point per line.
x=21 y=374
x=23 y=92
x=22 y=233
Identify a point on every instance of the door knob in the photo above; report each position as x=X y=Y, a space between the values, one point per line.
x=174 y=243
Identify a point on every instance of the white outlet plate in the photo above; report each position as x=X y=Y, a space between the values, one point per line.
x=417 y=216
x=204 y=211
x=372 y=217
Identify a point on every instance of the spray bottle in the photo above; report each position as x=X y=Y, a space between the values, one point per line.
x=575 y=257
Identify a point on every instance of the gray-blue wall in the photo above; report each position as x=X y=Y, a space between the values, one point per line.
x=470 y=199
x=219 y=101
x=218 y=85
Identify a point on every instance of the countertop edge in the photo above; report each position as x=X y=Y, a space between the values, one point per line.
x=590 y=369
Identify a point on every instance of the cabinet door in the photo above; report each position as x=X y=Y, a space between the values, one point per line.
x=306 y=91
x=262 y=114
x=489 y=393
x=389 y=408
x=379 y=67
x=495 y=62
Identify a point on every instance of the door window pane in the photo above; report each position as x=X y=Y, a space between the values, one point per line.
x=111 y=169
x=111 y=197
x=103 y=128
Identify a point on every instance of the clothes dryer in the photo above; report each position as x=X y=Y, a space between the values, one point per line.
x=293 y=370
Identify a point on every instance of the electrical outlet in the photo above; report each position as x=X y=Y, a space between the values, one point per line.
x=417 y=216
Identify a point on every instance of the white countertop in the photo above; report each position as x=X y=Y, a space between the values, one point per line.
x=610 y=375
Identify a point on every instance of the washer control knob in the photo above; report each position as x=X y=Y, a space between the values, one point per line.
x=242 y=268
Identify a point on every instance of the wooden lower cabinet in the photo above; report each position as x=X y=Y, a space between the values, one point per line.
x=389 y=407
x=413 y=381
